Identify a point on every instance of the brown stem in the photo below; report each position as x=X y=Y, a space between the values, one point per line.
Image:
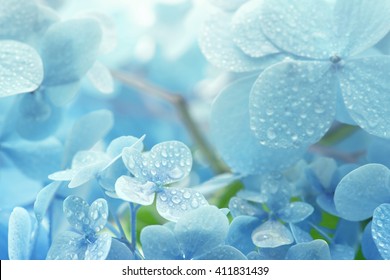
x=181 y=107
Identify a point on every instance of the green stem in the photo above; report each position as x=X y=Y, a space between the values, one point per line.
x=181 y=107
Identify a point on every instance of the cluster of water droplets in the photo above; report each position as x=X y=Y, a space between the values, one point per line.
x=380 y=230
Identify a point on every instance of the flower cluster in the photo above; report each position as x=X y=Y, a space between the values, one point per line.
x=119 y=141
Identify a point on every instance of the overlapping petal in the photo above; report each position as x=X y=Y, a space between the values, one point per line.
x=365 y=87
x=361 y=191
x=313 y=250
x=293 y=104
x=271 y=234
x=130 y=189
x=380 y=229
x=19 y=234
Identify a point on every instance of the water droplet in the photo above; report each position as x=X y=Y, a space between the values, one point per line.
x=271 y=134
x=194 y=203
x=176 y=199
x=187 y=195
x=175 y=173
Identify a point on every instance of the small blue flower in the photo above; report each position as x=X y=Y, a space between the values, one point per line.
x=166 y=163
x=199 y=235
x=85 y=243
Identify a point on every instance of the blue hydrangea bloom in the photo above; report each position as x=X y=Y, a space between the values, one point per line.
x=198 y=235
x=166 y=163
x=86 y=243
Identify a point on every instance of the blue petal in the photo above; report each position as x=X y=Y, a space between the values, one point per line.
x=347 y=233
x=101 y=78
x=44 y=199
x=216 y=43
x=78 y=42
x=361 y=191
x=378 y=151
x=271 y=234
x=86 y=174
x=63 y=175
x=167 y=162
x=36 y=159
x=99 y=249
x=364 y=86
x=173 y=203
x=234 y=140
x=322 y=170
x=201 y=230
x=278 y=253
x=130 y=189
x=21 y=68
x=76 y=211
x=313 y=250
x=380 y=229
x=216 y=183
x=68 y=246
x=360 y=24
x=19 y=234
x=116 y=146
x=247 y=33
x=159 y=243
x=119 y=251
x=295 y=212
x=17 y=18
x=60 y=95
x=37 y=118
x=242 y=207
x=299 y=234
x=293 y=104
x=302 y=27
x=369 y=248
x=98 y=214
x=239 y=235
x=341 y=252
x=326 y=202
x=87 y=131
x=224 y=252
x=230 y=5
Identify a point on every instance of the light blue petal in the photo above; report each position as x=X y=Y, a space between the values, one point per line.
x=216 y=43
x=230 y=5
x=341 y=252
x=36 y=159
x=322 y=170
x=295 y=212
x=313 y=250
x=201 y=230
x=86 y=174
x=277 y=253
x=37 y=118
x=76 y=211
x=173 y=203
x=326 y=202
x=360 y=24
x=44 y=199
x=380 y=229
x=378 y=151
x=365 y=86
x=216 y=183
x=109 y=175
x=101 y=78
x=224 y=252
x=63 y=175
x=242 y=207
x=167 y=162
x=369 y=248
x=130 y=189
x=159 y=243
x=293 y=104
x=78 y=43
x=271 y=234
x=116 y=146
x=87 y=158
x=233 y=138
x=301 y=27
x=347 y=233
x=247 y=33
x=119 y=251
x=253 y=196
x=19 y=234
x=87 y=131
x=361 y=191
x=384 y=45
x=98 y=214
x=62 y=94
x=299 y=234
x=99 y=249
x=21 y=68
x=239 y=235
x=68 y=246
x=17 y=18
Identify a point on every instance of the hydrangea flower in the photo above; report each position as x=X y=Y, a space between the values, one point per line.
x=365 y=193
x=294 y=102
x=166 y=163
x=86 y=243
x=197 y=235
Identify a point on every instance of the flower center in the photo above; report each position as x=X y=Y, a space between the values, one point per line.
x=335 y=58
